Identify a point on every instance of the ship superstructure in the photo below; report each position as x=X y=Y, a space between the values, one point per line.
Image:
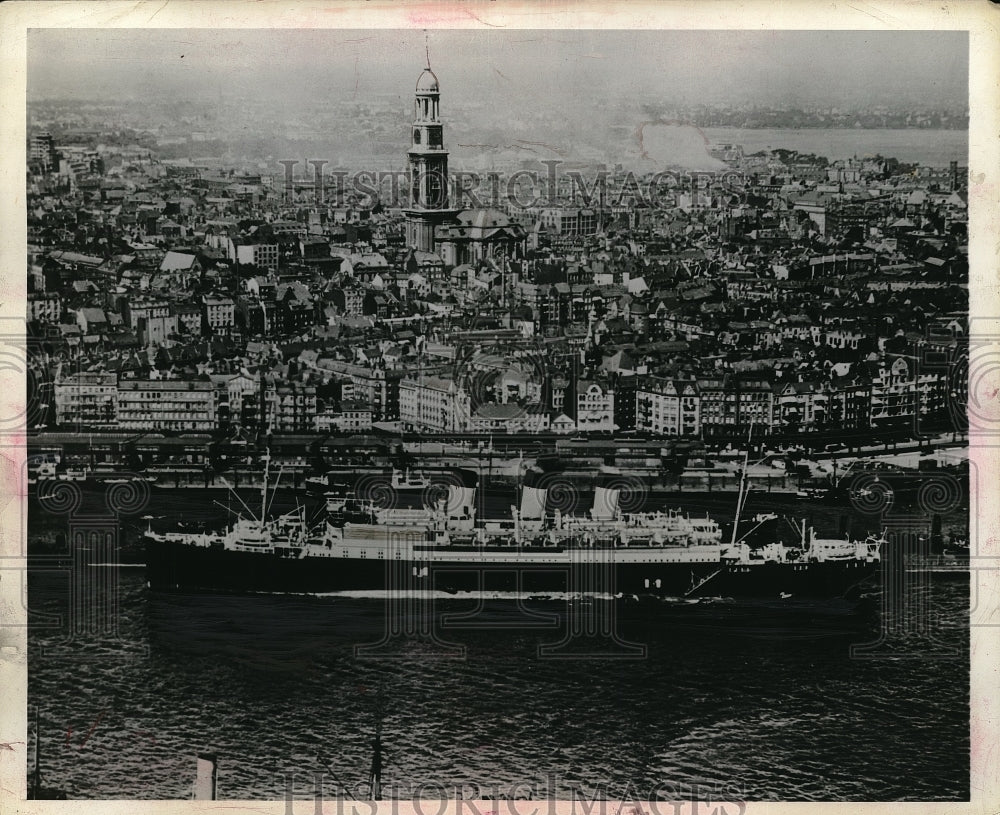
x=445 y=545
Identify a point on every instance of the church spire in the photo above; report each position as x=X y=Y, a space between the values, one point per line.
x=428 y=162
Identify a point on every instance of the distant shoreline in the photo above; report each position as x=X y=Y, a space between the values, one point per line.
x=925 y=146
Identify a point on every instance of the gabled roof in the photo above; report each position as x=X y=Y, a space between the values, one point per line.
x=177 y=261
x=93 y=315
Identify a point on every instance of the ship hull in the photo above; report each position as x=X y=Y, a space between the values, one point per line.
x=175 y=566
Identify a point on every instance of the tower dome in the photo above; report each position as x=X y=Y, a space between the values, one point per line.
x=427 y=82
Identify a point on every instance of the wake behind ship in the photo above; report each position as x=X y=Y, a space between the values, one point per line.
x=360 y=548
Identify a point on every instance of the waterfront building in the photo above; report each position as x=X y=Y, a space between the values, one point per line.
x=433 y=403
x=349 y=417
x=167 y=404
x=668 y=407
x=87 y=400
x=594 y=407
x=291 y=408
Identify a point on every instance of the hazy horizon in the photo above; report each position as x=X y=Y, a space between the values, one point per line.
x=846 y=69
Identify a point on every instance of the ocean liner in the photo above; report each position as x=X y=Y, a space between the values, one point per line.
x=444 y=546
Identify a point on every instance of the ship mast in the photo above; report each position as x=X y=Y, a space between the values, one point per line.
x=274 y=492
x=739 y=493
x=233 y=492
x=263 y=487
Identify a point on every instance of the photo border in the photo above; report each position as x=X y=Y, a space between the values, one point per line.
x=980 y=19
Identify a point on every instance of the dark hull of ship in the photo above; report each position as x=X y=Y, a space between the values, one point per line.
x=172 y=566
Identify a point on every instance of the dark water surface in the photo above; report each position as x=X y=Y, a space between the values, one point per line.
x=756 y=700
x=751 y=702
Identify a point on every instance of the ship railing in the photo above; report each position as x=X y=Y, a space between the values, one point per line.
x=243 y=546
x=200 y=540
x=738 y=554
x=244 y=543
x=823 y=551
x=836 y=558
x=251 y=540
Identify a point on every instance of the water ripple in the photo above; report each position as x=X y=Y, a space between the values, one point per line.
x=774 y=710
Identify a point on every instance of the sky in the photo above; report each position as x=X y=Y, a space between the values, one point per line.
x=850 y=69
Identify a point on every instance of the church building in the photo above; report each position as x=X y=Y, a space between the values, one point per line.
x=457 y=235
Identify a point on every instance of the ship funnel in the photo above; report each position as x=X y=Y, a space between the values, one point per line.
x=605 y=503
x=460 y=500
x=454 y=499
x=461 y=497
x=532 y=503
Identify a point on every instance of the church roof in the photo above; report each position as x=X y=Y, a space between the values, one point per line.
x=480 y=225
x=427 y=82
x=483 y=218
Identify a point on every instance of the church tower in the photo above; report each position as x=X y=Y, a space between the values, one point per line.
x=428 y=166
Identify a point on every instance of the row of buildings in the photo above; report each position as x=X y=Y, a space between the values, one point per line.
x=100 y=401
x=169 y=297
x=897 y=392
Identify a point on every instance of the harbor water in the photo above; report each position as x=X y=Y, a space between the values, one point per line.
x=779 y=700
